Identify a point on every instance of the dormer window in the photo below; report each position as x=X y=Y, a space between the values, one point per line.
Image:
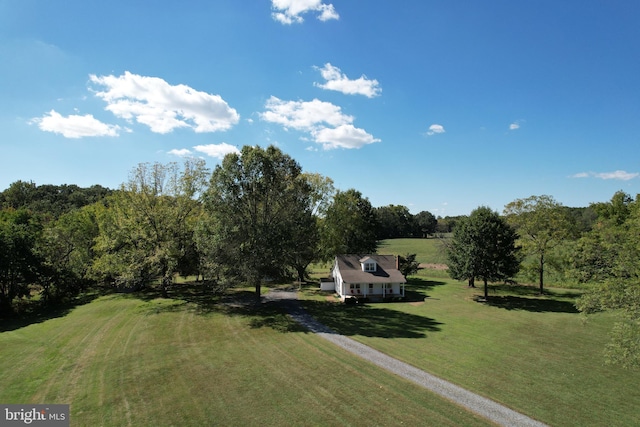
x=368 y=265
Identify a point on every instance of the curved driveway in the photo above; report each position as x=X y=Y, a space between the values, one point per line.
x=482 y=406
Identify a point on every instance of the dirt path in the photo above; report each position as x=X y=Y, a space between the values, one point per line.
x=482 y=406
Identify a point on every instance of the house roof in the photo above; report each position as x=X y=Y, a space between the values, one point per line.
x=386 y=271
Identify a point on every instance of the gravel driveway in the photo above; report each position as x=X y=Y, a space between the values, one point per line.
x=482 y=406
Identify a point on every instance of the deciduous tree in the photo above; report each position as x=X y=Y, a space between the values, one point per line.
x=19 y=263
x=258 y=205
x=66 y=249
x=609 y=258
x=425 y=223
x=483 y=247
x=394 y=221
x=147 y=228
x=542 y=224
x=408 y=265
x=349 y=226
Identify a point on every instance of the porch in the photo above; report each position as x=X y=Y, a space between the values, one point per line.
x=374 y=291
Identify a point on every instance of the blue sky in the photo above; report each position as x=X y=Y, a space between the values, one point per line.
x=436 y=105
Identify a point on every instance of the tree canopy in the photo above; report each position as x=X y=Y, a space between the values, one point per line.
x=349 y=226
x=483 y=247
x=50 y=200
x=19 y=262
x=609 y=257
x=146 y=230
x=259 y=205
x=542 y=224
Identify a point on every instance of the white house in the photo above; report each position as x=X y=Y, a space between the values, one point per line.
x=372 y=277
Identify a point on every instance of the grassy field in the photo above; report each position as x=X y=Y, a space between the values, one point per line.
x=432 y=251
x=426 y=250
x=534 y=354
x=140 y=360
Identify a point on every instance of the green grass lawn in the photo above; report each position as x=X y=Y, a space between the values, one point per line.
x=534 y=354
x=426 y=250
x=141 y=360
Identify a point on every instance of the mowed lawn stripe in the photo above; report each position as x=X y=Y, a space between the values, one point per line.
x=126 y=361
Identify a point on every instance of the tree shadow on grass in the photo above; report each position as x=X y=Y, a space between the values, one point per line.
x=203 y=300
x=197 y=296
x=524 y=297
x=538 y=305
x=370 y=320
x=36 y=313
x=531 y=290
x=274 y=315
x=417 y=289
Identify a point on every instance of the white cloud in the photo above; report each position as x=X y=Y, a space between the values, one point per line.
x=338 y=81
x=580 y=175
x=74 y=126
x=343 y=136
x=183 y=152
x=164 y=107
x=617 y=175
x=434 y=128
x=291 y=11
x=217 y=150
x=324 y=121
x=516 y=124
x=303 y=115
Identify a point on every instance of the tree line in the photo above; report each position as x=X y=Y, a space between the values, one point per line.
x=258 y=216
x=596 y=248
x=396 y=221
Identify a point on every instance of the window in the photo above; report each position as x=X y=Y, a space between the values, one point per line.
x=370 y=267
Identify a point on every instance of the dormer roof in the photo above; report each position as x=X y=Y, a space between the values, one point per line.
x=352 y=269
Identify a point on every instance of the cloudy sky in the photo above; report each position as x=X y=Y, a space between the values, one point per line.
x=436 y=105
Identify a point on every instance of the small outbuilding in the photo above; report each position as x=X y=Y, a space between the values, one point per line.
x=370 y=277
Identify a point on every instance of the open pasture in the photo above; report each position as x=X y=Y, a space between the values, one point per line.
x=141 y=360
x=534 y=354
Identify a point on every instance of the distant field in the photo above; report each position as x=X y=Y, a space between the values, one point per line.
x=534 y=354
x=139 y=360
x=429 y=251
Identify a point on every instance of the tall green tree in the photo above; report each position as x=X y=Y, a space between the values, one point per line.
x=483 y=247
x=607 y=251
x=394 y=221
x=322 y=192
x=349 y=226
x=542 y=224
x=66 y=249
x=257 y=206
x=609 y=258
x=147 y=228
x=19 y=262
x=425 y=223
x=306 y=227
